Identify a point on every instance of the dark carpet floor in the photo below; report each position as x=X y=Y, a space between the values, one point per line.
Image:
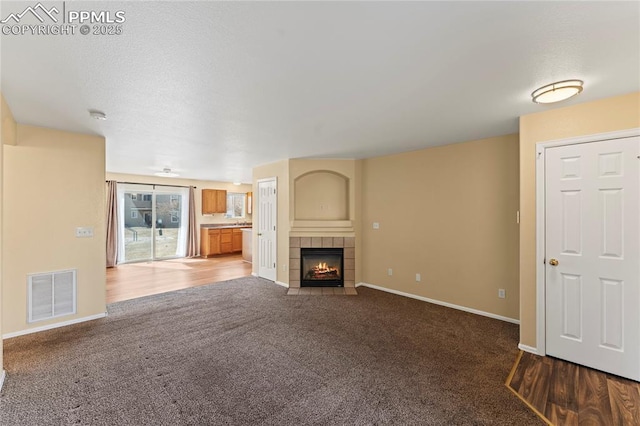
x=242 y=352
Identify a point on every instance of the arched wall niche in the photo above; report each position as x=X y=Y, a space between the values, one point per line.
x=321 y=195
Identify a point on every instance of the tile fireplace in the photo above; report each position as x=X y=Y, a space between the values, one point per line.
x=321 y=267
x=345 y=269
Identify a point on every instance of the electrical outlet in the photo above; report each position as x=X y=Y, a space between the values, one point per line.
x=376 y=225
x=390 y=272
x=418 y=278
x=502 y=293
x=84 y=232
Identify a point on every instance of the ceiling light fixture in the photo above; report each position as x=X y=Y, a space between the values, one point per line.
x=237 y=183
x=556 y=92
x=166 y=172
x=98 y=115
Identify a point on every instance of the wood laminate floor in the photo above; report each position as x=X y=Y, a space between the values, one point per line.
x=569 y=394
x=133 y=280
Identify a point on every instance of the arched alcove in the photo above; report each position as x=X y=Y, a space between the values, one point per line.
x=321 y=195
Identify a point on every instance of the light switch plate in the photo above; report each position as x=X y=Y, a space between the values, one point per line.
x=376 y=225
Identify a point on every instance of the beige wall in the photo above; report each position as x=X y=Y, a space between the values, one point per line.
x=53 y=183
x=7 y=136
x=448 y=213
x=1 y=268
x=358 y=223
x=279 y=170
x=199 y=184
x=606 y=115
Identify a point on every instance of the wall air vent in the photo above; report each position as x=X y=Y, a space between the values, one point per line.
x=51 y=295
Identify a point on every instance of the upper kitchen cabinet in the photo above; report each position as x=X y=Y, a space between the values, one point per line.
x=214 y=201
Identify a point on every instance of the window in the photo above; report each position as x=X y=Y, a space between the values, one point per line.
x=146 y=197
x=134 y=214
x=235 y=205
x=134 y=196
x=174 y=217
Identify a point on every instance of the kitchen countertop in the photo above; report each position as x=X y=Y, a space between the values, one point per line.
x=224 y=225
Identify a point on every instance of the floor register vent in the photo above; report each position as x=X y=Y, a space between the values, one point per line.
x=51 y=295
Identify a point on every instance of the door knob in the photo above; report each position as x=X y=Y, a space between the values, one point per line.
x=553 y=262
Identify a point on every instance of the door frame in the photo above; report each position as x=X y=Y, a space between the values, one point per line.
x=541 y=147
x=273 y=179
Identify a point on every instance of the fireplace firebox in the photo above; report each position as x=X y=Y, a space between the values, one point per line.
x=321 y=267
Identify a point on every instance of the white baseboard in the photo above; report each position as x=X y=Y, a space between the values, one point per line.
x=529 y=349
x=3 y=374
x=438 y=302
x=52 y=326
x=253 y=274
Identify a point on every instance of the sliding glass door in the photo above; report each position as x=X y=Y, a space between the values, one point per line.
x=153 y=222
x=170 y=225
x=136 y=226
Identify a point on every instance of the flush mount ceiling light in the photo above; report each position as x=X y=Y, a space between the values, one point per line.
x=556 y=92
x=98 y=115
x=237 y=183
x=166 y=172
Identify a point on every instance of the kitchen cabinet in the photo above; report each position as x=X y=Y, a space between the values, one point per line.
x=226 y=243
x=209 y=242
x=215 y=241
x=214 y=201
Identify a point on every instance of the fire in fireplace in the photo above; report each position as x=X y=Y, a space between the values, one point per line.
x=321 y=267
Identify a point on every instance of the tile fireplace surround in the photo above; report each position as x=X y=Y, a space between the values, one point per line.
x=349 y=266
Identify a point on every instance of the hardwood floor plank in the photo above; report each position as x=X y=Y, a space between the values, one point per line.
x=513 y=369
x=558 y=415
x=518 y=375
x=535 y=384
x=563 y=390
x=594 y=407
x=624 y=397
x=132 y=280
x=576 y=394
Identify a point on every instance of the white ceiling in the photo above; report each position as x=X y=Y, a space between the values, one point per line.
x=214 y=89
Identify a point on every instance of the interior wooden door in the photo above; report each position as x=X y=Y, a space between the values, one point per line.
x=592 y=254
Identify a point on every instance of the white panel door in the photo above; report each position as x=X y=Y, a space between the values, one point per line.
x=592 y=255
x=267 y=214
